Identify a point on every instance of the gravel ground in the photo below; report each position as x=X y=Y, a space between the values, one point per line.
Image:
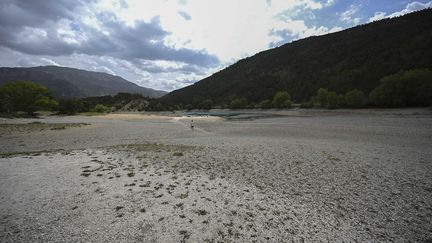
x=304 y=176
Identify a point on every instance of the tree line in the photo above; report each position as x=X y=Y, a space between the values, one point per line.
x=411 y=88
x=406 y=88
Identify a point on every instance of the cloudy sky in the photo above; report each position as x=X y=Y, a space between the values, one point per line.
x=169 y=44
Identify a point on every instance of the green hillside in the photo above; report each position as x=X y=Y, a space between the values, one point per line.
x=355 y=58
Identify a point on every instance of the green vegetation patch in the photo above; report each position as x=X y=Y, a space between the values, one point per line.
x=7 y=129
x=155 y=147
x=25 y=96
x=30 y=153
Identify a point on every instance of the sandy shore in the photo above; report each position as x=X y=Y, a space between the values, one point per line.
x=304 y=175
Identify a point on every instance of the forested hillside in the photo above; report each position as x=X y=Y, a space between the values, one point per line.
x=355 y=58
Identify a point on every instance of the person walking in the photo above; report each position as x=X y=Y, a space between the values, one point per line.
x=192 y=125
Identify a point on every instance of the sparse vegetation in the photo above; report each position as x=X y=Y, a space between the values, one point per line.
x=85 y=174
x=99 y=108
x=201 y=212
x=178 y=153
x=36 y=126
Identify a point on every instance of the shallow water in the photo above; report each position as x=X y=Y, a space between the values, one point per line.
x=234 y=115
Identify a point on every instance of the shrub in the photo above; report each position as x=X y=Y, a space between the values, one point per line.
x=333 y=100
x=328 y=99
x=188 y=107
x=72 y=106
x=99 y=108
x=306 y=105
x=265 y=104
x=206 y=104
x=282 y=100
x=322 y=97
x=238 y=103
x=354 y=98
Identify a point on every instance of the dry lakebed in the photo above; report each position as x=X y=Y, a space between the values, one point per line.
x=279 y=176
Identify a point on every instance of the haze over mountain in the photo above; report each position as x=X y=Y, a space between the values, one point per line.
x=355 y=58
x=64 y=82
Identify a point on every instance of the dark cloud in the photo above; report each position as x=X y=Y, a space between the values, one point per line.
x=32 y=27
x=185 y=15
x=36 y=13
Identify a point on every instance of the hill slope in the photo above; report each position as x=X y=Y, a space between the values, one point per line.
x=342 y=61
x=66 y=82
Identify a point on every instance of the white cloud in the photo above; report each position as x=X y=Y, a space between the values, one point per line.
x=110 y=36
x=377 y=16
x=229 y=29
x=349 y=16
x=410 y=7
x=297 y=29
x=330 y=3
x=49 y=61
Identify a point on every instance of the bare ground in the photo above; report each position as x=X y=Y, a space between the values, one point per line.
x=311 y=175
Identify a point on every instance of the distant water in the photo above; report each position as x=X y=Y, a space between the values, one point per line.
x=233 y=115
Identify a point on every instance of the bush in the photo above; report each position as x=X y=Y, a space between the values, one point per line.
x=354 y=98
x=72 y=106
x=306 y=105
x=188 y=107
x=322 y=97
x=206 y=104
x=238 y=103
x=282 y=100
x=265 y=104
x=99 y=108
x=334 y=100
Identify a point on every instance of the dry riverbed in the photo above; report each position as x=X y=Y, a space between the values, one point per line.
x=312 y=176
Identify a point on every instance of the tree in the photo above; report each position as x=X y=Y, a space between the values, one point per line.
x=405 y=88
x=47 y=103
x=282 y=100
x=188 y=107
x=265 y=104
x=354 y=98
x=101 y=108
x=333 y=100
x=322 y=97
x=206 y=104
x=238 y=103
x=72 y=106
x=26 y=96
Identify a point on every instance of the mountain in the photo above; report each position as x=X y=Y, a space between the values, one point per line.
x=355 y=58
x=64 y=82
